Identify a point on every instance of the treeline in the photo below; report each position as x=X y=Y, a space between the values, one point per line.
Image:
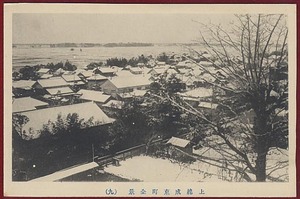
x=122 y=62
x=31 y=72
x=127 y=44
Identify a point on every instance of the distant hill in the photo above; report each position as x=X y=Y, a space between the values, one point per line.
x=128 y=44
x=86 y=45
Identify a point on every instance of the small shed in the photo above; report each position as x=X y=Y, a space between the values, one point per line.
x=182 y=144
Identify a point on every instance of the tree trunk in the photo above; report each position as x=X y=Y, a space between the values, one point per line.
x=262 y=139
x=261 y=166
x=262 y=147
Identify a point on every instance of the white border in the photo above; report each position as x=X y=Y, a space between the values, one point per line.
x=98 y=189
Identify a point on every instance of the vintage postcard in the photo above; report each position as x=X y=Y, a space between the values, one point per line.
x=150 y=100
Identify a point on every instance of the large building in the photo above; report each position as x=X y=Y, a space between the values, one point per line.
x=55 y=86
x=118 y=85
x=27 y=104
x=94 y=96
x=39 y=118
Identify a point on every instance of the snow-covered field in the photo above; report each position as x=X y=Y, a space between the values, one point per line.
x=149 y=169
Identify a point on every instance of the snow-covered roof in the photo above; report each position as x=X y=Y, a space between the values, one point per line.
x=122 y=73
x=125 y=95
x=138 y=93
x=86 y=73
x=66 y=172
x=198 y=92
x=182 y=64
x=43 y=70
x=59 y=91
x=114 y=104
x=125 y=82
x=77 y=83
x=97 y=77
x=136 y=69
x=206 y=77
x=208 y=105
x=59 y=71
x=178 y=142
x=95 y=96
x=46 y=76
x=26 y=104
x=52 y=82
x=158 y=70
x=24 y=84
x=161 y=63
x=38 y=118
x=71 y=78
x=106 y=70
x=171 y=71
x=206 y=63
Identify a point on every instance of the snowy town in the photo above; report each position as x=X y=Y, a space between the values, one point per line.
x=198 y=116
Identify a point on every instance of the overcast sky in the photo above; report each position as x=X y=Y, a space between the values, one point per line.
x=105 y=28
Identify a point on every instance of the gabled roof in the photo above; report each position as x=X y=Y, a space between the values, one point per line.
x=26 y=104
x=158 y=70
x=114 y=104
x=125 y=95
x=43 y=70
x=106 y=70
x=24 y=84
x=178 y=142
x=59 y=71
x=138 y=93
x=95 y=96
x=46 y=76
x=71 y=78
x=96 y=77
x=122 y=73
x=38 y=118
x=52 y=82
x=59 y=91
x=86 y=73
x=125 y=82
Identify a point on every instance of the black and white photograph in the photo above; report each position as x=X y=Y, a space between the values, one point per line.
x=150 y=100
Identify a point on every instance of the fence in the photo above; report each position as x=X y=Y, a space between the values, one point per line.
x=124 y=154
x=121 y=155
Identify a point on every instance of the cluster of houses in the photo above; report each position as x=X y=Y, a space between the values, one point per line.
x=99 y=92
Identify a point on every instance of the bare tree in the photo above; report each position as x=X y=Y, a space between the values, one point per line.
x=251 y=65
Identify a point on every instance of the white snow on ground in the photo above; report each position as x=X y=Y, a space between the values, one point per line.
x=149 y=169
